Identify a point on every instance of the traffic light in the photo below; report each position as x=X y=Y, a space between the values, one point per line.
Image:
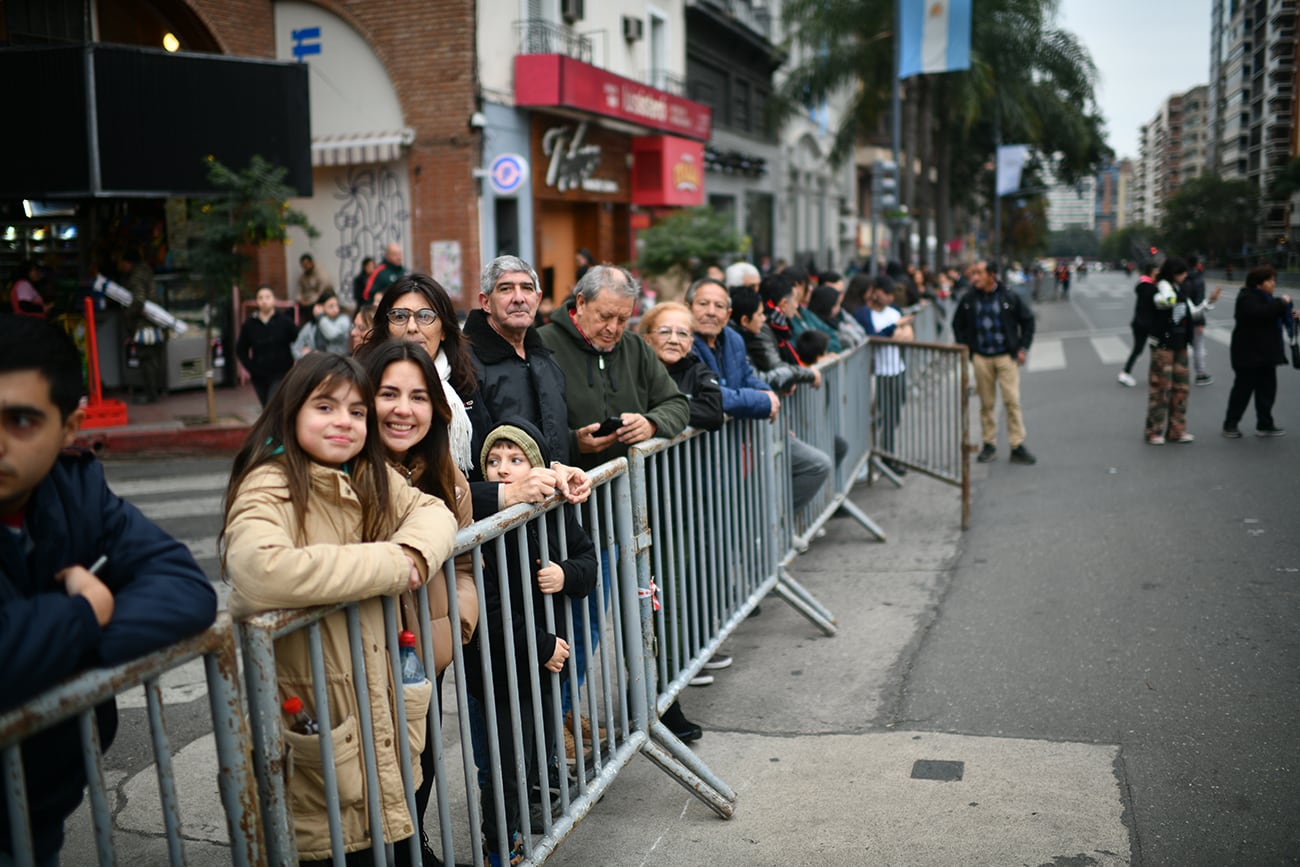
x=884 y=186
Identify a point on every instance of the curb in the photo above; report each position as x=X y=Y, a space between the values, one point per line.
x=169 y=441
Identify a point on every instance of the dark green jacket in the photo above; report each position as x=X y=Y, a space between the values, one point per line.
x=630 y=378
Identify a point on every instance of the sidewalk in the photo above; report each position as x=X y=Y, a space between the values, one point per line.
x=177 y=425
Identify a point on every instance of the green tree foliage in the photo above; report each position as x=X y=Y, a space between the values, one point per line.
x=686 y=238
x=1073 y=241
x=1211 y=216
x=250 y=209
x=1133 y=242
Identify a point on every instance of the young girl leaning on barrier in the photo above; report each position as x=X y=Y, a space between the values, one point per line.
x=314 y=516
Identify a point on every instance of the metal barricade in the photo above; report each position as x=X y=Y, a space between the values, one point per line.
x=921 y=414
x=498 y=726
x=78 y=698
x=835 y=420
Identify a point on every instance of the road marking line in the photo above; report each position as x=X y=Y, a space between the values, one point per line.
x=1046 y=355
x=1219 y=335
x=175 y=485
x=1111 y=350
x=192 y=508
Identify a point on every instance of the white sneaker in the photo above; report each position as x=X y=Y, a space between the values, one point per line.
x=702 y=679
x=1126 y=379
x=1155 y=441
x=1185 y=438
x=719 y=661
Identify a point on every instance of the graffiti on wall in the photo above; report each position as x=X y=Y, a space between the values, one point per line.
x=372 y=214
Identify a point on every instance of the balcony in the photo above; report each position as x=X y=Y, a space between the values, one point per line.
x=753 y=16
x=662 y=79
x=1281 y=11
x=1281 y=95
x=539 y=36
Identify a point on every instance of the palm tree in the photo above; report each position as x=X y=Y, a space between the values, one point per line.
x=1028 y=80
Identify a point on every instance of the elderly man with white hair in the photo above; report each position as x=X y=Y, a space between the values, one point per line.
x=743 y=274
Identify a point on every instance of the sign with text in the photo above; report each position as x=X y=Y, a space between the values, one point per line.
x=579 y=161
x=667 y=171
x=554 y=80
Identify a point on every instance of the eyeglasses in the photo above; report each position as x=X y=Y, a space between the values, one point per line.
x=424 y=317
x=680 y=333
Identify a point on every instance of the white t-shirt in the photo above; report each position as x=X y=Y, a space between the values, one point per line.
x=889 y=360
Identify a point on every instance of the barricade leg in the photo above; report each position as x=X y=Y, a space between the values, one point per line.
x=234 y=780
x=802 y=601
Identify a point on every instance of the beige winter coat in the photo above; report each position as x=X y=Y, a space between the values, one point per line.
x=269 y=570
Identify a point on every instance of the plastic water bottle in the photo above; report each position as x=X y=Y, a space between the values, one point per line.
x=299 y=720
x=412 y=668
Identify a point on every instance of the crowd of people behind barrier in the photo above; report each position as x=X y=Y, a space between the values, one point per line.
x=351 y=485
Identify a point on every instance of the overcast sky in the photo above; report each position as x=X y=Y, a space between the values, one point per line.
x=1145 y=51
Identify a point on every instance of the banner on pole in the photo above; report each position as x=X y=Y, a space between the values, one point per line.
x=933 y=36
x=1011 y=162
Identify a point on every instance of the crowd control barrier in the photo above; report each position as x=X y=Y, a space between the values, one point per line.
x=921 y=416
x=528 y=717
x=77 y=699
x=689 y=535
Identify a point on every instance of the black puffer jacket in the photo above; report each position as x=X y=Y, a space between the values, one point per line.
x=700 y=385
x=532 y=388
x=1017 y=319
x=1257 y=336
x=769 y=365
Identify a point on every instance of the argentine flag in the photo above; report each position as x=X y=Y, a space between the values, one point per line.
x=934 y=36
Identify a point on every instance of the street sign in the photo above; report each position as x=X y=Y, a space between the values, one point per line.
x=507 y=174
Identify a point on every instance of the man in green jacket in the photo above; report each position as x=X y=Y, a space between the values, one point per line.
x=610 y=371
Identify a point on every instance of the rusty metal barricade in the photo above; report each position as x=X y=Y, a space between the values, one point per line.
x=921 y=412
x=495 y=730
x=77 y=699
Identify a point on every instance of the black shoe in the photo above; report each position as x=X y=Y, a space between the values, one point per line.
x=1232 y=432
x=895 y=467
x=988 y=453
x=1270 y=431
x=685 y=730
x=1021 y=455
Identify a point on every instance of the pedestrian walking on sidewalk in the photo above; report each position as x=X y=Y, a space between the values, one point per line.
x=1257 y=351
x=998 y=328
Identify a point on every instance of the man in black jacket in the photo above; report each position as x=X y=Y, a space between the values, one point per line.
x=1257 y=351
x=998 y=328
x=264 y=345
x=518 y=377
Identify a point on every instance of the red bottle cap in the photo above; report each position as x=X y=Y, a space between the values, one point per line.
x=406 y=638
x=292 y=705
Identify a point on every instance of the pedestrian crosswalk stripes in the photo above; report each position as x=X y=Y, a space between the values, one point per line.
x=1046 y=355
x=1111 y=350
x=1049 y=354
x=191 y=507
x=128 y=489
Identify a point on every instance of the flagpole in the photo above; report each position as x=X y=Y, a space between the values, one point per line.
x=896 y=123
x=997 y=194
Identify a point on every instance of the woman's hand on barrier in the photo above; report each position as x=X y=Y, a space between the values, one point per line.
x=550 y=578
x=533 y=486
x=589 y=443
x=556 y=662
x=817 y=378
x=413 y=579
x=636 y=428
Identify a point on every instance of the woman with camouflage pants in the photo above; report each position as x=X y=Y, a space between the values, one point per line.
x=1171 y=332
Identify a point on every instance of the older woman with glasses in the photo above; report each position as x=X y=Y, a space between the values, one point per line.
x=669 y=328
x=418 y=310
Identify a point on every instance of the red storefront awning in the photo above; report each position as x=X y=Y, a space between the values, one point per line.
x=667 y=172
x=554 y=80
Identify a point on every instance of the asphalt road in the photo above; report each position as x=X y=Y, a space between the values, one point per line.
x=1142 y=596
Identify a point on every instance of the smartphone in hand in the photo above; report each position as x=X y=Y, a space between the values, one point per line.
x=608 y=426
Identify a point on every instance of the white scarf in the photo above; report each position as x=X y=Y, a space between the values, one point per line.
x=459 y=431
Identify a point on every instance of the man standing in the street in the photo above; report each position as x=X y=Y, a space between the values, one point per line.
x=518 y=377
x=385 y=274
x=264 y=345
x=998 y=328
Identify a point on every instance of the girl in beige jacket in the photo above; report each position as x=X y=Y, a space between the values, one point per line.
x=315 y=516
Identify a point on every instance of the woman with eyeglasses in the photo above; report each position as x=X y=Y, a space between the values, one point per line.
x=669 y=328
x=418 y=310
